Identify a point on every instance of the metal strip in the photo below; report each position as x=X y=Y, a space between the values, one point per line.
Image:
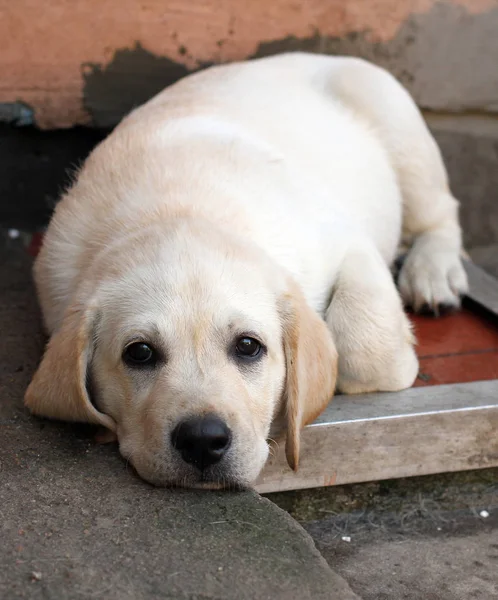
x=483 y=288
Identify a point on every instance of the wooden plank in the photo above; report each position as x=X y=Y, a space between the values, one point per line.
x=383 y=436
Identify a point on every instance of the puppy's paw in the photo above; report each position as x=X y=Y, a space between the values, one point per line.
x=432 y=281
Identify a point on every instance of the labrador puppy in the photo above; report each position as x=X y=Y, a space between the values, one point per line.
x=221 y=265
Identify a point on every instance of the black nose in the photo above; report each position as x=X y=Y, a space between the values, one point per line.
x=202 y=441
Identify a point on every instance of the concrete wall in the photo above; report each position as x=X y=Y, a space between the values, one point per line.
x=66 y=62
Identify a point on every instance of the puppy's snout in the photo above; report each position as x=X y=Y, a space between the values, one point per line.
x=202 y=441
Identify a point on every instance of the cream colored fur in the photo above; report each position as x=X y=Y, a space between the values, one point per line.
x=268 y=196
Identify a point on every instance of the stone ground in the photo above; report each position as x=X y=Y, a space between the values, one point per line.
x=76 y=523
x=455 y=561
x=421 y=538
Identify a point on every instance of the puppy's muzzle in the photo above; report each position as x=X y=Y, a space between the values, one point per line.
x=201 y=441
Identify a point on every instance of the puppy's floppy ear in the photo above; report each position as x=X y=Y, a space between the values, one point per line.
x=311 y=367
x=58 y=388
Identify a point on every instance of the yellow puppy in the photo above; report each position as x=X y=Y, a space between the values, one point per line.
x=222 y=263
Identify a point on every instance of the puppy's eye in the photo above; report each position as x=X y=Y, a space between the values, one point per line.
x=247 y=347
x=139 y=354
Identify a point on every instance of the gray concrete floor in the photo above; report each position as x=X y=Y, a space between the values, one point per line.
x=414 y=539
x=426 y=562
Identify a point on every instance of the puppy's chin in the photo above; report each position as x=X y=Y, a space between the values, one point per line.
x=216 y=480
x=193 y=479
x=232 y=486
x=199 y=483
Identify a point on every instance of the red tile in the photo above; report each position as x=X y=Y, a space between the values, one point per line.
x=458 y=348
x=462 y=332
x=462 y=368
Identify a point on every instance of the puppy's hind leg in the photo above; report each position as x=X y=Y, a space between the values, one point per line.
x=432 y=276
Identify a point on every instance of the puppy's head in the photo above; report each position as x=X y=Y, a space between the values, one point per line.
x=188 y=352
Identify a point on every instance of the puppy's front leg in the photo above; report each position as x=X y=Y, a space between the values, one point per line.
x=372 y=333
